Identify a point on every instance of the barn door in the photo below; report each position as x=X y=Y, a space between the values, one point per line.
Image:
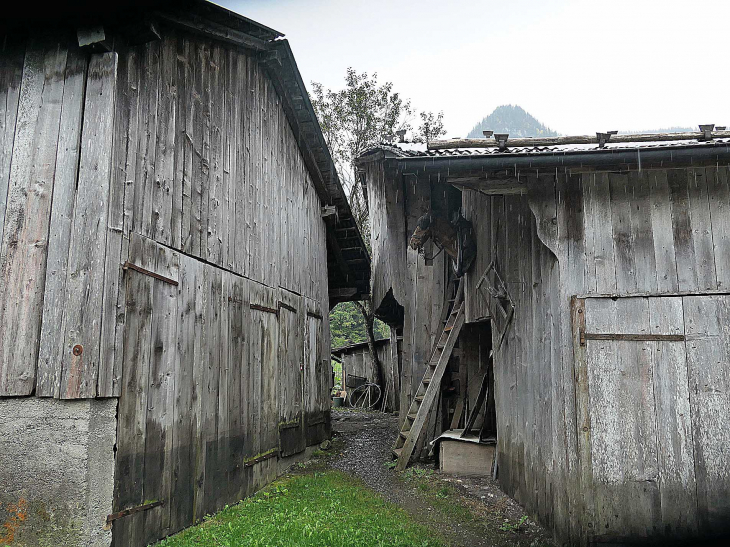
x=291 y=373
x=654 y=396
x=316 y=401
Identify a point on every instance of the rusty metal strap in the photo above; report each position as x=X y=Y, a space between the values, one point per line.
x=632 y=337
x=132 y=510
x=314 y=314
x=129 y=266
x=264 y=309
x=254 y=461
x=287 y=306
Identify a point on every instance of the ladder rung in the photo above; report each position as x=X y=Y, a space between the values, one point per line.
x=397 y=451
x=447 y=329
x=418 y=399
x=404 y=434
x=426 y=381
x=411 y=416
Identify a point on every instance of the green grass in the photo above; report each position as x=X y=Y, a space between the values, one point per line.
x=440 y=495
x=322 y=509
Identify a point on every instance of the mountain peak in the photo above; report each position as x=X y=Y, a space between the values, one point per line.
x=514 y=120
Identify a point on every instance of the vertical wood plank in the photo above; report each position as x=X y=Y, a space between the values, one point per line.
x=132 y=410
x=161 y=387
x=238 y=360
x=701 y=229
x=12 y=54
x=87 y=250
x=145 y=180
x=661 y=222
x=27 y=214
x=684 y=248
x=675 y=438
x=200 y=387
x=213 y=238
x=708 y=352
x=621 y=197
x=718 y=183
x=642 y=240
x=162 y=194
x=603 y=246
x=211 y=378
x=51 y=350
x=183 y=460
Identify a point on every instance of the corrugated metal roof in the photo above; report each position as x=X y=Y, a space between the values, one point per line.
x=409 y=150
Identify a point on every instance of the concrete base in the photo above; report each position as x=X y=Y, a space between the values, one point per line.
x=56 y=471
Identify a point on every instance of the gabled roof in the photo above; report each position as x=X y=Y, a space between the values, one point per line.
x=347 y=256
x=135 y=21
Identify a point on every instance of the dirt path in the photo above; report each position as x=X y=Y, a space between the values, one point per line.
x=464 y=511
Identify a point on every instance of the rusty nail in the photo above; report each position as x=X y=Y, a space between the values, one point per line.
x=78 y=349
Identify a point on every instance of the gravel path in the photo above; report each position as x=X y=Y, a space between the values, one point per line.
x=365 y=439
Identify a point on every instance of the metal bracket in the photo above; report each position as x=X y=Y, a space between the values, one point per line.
x=631 y=337
x=129 y=266
x=706 y=131
x=501 y=138
x=132 y=510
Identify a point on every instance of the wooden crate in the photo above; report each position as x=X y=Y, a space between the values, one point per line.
x=465 y=457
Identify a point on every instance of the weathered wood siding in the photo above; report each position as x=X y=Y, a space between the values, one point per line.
x=418 y=281
x=613 y=439
x=233 y=361
x=162 y=242
x=357 y=362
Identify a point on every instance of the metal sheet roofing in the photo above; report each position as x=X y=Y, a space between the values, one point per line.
x=410 y=150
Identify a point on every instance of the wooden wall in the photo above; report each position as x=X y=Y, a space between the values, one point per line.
x=358 y=363
x=162 y=242
x=211 y=171
x=418 y=280
x=595 y=461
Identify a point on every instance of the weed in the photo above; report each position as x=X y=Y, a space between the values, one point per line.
x=507 y=526
x=391 y=464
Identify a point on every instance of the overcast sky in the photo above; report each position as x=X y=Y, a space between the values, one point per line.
x=577 y=66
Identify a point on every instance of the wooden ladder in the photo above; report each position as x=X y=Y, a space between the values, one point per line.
x=430 y=384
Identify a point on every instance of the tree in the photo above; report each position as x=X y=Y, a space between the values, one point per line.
x=432 y=127
x=360 y=116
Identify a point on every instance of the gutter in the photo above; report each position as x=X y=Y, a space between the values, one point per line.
x=612 y=159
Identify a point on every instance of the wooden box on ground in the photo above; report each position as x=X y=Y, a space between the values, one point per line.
x=465 y=456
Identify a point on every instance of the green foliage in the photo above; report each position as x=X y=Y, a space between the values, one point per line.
x=507 y=526
x=391 y=464
x=329 y=508
x=513 y=120
x=431 y=128
x=347 y=326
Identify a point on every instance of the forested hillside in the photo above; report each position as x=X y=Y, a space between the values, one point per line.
x=514 y=120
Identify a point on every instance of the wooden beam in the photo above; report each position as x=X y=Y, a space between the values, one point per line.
x=579 y=139
x=213 y=30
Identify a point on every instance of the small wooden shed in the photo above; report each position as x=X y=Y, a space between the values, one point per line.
x=611 y=385
x=358 y=368
x=172 y=236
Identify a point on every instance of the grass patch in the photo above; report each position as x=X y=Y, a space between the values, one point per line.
x=440 y=495
x=325 y=508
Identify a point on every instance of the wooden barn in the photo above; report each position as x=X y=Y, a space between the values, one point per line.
x=172 y=236
x=598 y=278
x=358 y=368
